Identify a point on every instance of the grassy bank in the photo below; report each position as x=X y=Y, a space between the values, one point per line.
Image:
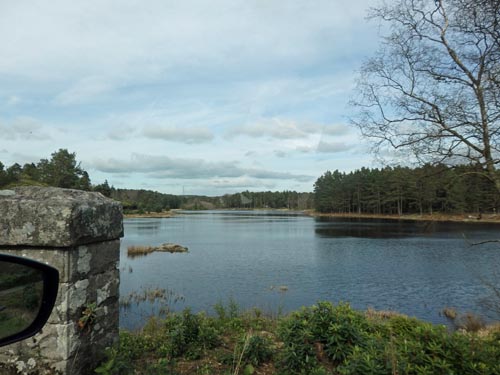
x=322 y=339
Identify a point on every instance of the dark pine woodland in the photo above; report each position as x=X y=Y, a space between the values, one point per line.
x=401 y=190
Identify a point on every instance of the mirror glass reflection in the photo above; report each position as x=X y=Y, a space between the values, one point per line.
x=21 y=291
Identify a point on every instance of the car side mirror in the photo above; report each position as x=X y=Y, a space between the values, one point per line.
x=28 y=291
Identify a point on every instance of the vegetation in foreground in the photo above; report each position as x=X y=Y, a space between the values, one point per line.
x=322 y=339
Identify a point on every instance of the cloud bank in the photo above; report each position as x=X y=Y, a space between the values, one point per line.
x=253 y=92
x=164 y=167
x=190 y=135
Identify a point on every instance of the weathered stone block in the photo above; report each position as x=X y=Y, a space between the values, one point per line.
x=77 y=233
x=45 y=216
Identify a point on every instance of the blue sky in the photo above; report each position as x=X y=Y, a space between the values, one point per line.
x=205 y=97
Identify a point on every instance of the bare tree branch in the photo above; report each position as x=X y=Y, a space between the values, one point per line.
x=434 y=86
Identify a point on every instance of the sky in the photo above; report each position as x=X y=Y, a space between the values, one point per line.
x=185 y=97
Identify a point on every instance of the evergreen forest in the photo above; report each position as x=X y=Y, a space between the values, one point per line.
x=401 y=190
x=427 y=189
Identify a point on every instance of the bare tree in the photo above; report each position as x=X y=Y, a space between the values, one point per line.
x=433 y=88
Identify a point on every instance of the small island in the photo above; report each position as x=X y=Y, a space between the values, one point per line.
x=133 y=251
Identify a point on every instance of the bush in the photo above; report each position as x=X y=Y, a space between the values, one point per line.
x=408 y=346
x=229 y=317
x=257 y=350
x=397 y=344
x=322 y=339
x=188 y=335
x=297 y=354
x=337 y=330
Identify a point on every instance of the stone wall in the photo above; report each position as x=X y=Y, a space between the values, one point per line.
x=78 y=233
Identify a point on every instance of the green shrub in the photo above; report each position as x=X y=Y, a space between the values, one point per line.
x=179 y=335
x=415 y=347
x=116 y=363
x=298 y=353
x=229 y=317
x=319 y=340
x=364 y=361
x=188 y=335
x=338 y=329
x=347 y=329
x=257 y=350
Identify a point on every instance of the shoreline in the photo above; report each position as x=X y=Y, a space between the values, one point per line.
x=154 y=215
x=463 y=218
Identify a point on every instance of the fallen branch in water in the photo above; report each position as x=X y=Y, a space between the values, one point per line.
x=470 y=243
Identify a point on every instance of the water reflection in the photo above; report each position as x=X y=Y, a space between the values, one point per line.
x=392 y=228
x=417 y=268
x=252 y=214
x=145 y=226
x=368 y=229
x=245 y=216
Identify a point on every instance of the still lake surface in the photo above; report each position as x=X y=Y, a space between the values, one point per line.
x=417 y=268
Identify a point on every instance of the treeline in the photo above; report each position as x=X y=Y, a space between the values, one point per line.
x=390 y=190
x=286 y=199
x=268 y=199
x=142 y=201
x=63 y=170
x=402 y=190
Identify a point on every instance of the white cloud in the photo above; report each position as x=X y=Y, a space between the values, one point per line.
x=273 y=128
x=336 y=129
x=188 y=135
x=22 y=158
x=280 y=128
x=222 y=81
x=333 y=147
x=23 y=128
x=322 y=146
x=166 y=167
x=240 y=183
x=285 y=129
x=138 y=40
x=121 y=132
x=86 y=89
x=13 y=100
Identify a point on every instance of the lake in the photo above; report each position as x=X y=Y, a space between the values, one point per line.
x=278 y=261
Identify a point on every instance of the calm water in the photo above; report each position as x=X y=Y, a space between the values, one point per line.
x=416 y=268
